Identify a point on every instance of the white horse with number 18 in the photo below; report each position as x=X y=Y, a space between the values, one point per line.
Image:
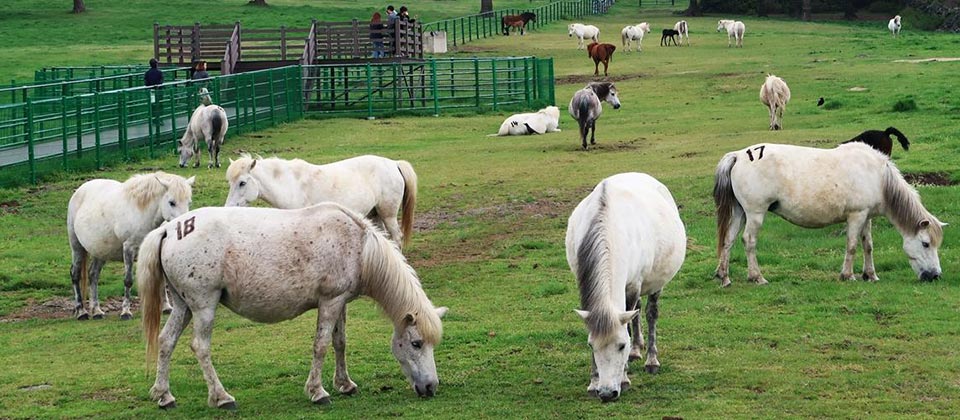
x=624 y=241
x=814 y=188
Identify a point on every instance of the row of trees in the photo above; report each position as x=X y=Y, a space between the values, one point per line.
x=800 y=8
x=80 y=7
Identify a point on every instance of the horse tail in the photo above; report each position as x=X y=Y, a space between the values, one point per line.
x=409 y=201
x=593 y=270
x=724 y=197
x=900 y=137
x=216 y=124
x=150 y=278
x=584 y=113
x=623 y=37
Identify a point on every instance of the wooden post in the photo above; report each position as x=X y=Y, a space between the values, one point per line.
x=156 y=41
x=283 y=43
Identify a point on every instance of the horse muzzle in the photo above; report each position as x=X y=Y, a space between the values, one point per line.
x=929 y=276
x=426 y=390
x=616 y=106
x=608 y=395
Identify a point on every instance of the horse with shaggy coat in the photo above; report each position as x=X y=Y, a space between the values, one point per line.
x=775 y=94
x=585 y=107
x=546 y=120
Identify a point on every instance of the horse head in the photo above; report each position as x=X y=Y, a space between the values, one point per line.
x=611 y=352
x=571 y=28
x=413 y=348
x=177 y=195
x=921 y=247
x=529 y=17
x=244 y=187
x=722 y=24
x=606 y=91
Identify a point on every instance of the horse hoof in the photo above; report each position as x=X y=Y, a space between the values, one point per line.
x=83 y=317
x=349 y=391
x=725 y=282
x=169 y=405
x=98 y=316
x=126 y=317
x=652 y=369
x=323 y=401
x=229 y=406
x=633 y=357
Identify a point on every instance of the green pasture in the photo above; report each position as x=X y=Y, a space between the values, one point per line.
x=489 y=235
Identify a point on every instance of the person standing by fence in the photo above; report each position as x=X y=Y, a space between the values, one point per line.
x=154 y=79
x=392 y=17
x=376 y=35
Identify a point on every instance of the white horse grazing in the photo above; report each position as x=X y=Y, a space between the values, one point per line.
x=775 y=94
x=374 y=186
x=585 y=107
x=624 y=241
x=735 y=30
x=894 y=25
x=814 y=188
x=271 y=265
x=583 y=32
x=634 y=33
x=208 y=123
x=546 y=120
x=107 y=220
x=681 y=28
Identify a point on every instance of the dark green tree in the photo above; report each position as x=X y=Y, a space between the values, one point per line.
x=78 y=6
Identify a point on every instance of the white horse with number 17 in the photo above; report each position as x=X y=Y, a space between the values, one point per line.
x=373 y=186
x=624 y=240
x=814 y=188
x=107 y=220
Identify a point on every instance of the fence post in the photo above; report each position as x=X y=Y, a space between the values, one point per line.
x=369 y=92
x=551 y=87
x=173 y=116
x=253 y=99
x=96 y=128
x=151 y=135
x=433 y=83
x=63 y=127
x=493 y=73
x=122 y=132
x=29 y=132
x=273 y=110
x=476 y=79
x=526 y=80
x=79 y=118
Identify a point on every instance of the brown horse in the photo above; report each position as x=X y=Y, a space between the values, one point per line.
x=600 y=53
x=516 y=21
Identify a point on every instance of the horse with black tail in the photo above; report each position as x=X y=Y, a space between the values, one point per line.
x=881 y=141
x=585 y=107
x=516 y=21
x=209 y=123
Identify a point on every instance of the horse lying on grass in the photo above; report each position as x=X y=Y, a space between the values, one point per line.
x=546 y=120
x=271 y=265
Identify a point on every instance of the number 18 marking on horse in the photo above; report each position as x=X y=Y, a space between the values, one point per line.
x=749 y=154
x=186 y=228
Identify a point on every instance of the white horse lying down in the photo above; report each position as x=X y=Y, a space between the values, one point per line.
x=624 y=241
x=894 y=25
x=735 y=30
x=814 y=188
x=775 y=94
x=546 y=120
x=634 y=33
x=271 y=265
x=107 y=220
x=370 y=185
x=208 y=123
x=582 y=32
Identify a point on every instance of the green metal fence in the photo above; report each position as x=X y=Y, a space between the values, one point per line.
x=83 y=131
x=431 y=86
x=468 y=28
x=57 y=74
x=68 y=87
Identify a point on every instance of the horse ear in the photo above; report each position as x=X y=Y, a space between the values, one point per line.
x=191 y=180
x=166 y=184
x=409 y=320
x=253 y=164
x=924 y=223
x=441 y=311
x=583 y=314
x=627 y=316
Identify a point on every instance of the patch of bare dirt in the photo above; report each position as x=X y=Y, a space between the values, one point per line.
x=582 y=78
x=9 y=207
x=939 y=179
x=62 y=308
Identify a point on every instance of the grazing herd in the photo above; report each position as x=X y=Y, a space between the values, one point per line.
x=325 y=235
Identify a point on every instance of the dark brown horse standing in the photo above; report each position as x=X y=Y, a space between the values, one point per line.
x=669 y=35
x=516 y=21
x=881 y=141
x=600 y=53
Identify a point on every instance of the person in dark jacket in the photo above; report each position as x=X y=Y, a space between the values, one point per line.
x=201 y=71
x=154 y=76
x=376 y=35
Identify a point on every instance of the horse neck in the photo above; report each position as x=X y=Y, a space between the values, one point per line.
x=901 y=202
x=278 y=186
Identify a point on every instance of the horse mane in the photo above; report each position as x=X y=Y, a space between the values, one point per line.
x=904 y=207
x=239 y=166
x=393 y=284
x=145 y=188
x=593 y=274
x=602 y=89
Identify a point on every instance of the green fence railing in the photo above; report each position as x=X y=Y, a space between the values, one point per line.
x=84 y=131
x=57 y=74
x=429 y=87
x=464 y=29
x=69 y=87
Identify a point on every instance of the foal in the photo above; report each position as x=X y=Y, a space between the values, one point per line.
x=669 y=35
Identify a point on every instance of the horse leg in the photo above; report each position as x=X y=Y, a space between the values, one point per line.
x=196 y=153
x=202 y=332
x=605 y=64
x=653 y=312
x=594 y=377
x=855 y=225
x=214 y=150
x=636 y=335
x=754 y=221
x=328 y=313
x=341 y=379
x=176 y=323
x=593 y=131
x=129 y=252
x=736 y=224
x=96 y=265
x=76 y=271
x=583 y=133
x=773 y=117
x=596 y=67
x=391 y=225
x=866 y=241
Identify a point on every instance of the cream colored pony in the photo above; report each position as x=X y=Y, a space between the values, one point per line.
x=271 y=265
x=208 y=123
x=370 y=185
x=625 y=240
x=544 y=121
x=813 y=188
x=775 y=94
x=894 y=26
x=582 y=32
x=735 y=30
x=107 y=220
x=634 y=33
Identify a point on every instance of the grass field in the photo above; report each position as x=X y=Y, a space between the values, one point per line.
x=489 y=244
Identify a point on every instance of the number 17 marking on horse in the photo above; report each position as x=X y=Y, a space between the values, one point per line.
x=749 y=154
x=186 y=228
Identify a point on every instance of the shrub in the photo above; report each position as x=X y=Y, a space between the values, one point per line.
x=915 y=19
x=884 y=7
